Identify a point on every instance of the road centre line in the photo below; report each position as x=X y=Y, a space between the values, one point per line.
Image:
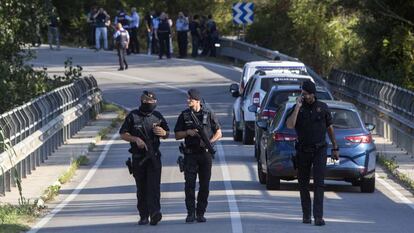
x=236 y=224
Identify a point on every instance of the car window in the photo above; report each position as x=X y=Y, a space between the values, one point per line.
x=267 y=83
x=280 y=97
x=321 y=95
x=345 y=119
x=278 y=117
x=249 y=86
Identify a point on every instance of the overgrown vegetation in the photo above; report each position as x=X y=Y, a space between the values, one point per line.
x=392 y=166
x=374 y=38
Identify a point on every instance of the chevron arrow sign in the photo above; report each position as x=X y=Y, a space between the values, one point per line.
x=243 y=13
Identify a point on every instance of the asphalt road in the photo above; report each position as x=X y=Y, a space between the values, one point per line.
x=105 y=200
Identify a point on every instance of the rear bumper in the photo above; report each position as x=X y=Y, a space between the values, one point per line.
x=285 y=170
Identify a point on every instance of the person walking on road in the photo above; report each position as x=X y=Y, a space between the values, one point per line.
x=197 y=159
x=143 y=128
x=311 y=119
x=121 y=38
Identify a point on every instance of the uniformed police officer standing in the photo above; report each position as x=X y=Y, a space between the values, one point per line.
x=121 y=37
x=196 y=158
x=311 y=120
x=143 y=128
x=163 y=33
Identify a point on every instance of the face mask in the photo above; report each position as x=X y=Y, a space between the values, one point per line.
x=148 y=107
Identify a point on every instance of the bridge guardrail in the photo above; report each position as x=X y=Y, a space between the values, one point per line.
x=389 y=106
x=39 y=127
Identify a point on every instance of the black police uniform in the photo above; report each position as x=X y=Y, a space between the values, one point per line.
x=196 y=159
x=164 y=32
x=311 y=127
x=147 y=175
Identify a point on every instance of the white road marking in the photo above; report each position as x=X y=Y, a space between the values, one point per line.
x=77 y=190
x=396 y=193
x=236 y=224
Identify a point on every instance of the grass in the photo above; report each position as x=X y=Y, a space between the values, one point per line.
x=391 y=166
x=121 y=114
x=14 y=218
x=53 y=190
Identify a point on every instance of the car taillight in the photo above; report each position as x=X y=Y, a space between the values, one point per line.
x=360 y=139
x=280 y=137
x=256 y=99
x=267 y=114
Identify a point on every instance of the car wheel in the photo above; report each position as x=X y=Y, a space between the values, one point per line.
x=368 y=185
x=272 y=182
x=261 y=174
x=248 y=135
x=237 y=134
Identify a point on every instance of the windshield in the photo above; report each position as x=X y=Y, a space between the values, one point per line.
x=345 y=119
x=280 y=97
x=267 y=83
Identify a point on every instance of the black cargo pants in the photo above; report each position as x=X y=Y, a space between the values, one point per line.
x=317 y=161
x=197 y=163
x=148 y=180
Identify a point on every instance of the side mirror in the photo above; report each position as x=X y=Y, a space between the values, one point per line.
x=252 y=108
x=234 y=90
x=370 y=126
x=262 y=124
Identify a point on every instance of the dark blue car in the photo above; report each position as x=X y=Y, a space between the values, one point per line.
x=357 y=149
x=276 y=97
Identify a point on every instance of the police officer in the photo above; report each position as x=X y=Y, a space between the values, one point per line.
x=163 y=36
x=121 y=37
x=143 y=128
x=312 y=119
x=196 y=159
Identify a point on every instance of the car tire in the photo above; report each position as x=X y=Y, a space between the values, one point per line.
x=368 y=185
x=272 y=182
x=248 y=136
x=260 y=173
x=237 y=134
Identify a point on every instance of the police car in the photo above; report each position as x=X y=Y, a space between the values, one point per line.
x=251 y=67
x=257 y=86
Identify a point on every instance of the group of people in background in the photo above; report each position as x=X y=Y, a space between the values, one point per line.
x=160 y=30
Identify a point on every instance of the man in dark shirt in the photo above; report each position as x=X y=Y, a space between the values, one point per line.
x=143 y=128
x=311 y=119
x=196 y=158
x=163 y=36
x=195 y=35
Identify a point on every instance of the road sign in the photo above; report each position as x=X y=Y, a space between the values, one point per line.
x=243 y=13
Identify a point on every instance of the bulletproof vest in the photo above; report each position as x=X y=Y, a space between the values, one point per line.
x=190 y=124
x=141 y=127
x=164 y=26
x=122 y=39
x=122 y=19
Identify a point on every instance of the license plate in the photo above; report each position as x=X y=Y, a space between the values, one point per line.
x=330 y=161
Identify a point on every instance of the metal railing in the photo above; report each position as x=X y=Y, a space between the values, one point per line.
x=36 y=129
x=390 y=107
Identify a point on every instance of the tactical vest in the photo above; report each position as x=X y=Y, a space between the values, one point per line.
x=189 y=124
x=122 y=39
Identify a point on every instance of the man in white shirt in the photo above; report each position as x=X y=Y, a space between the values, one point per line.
x=182 y=30
x=133 y=30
